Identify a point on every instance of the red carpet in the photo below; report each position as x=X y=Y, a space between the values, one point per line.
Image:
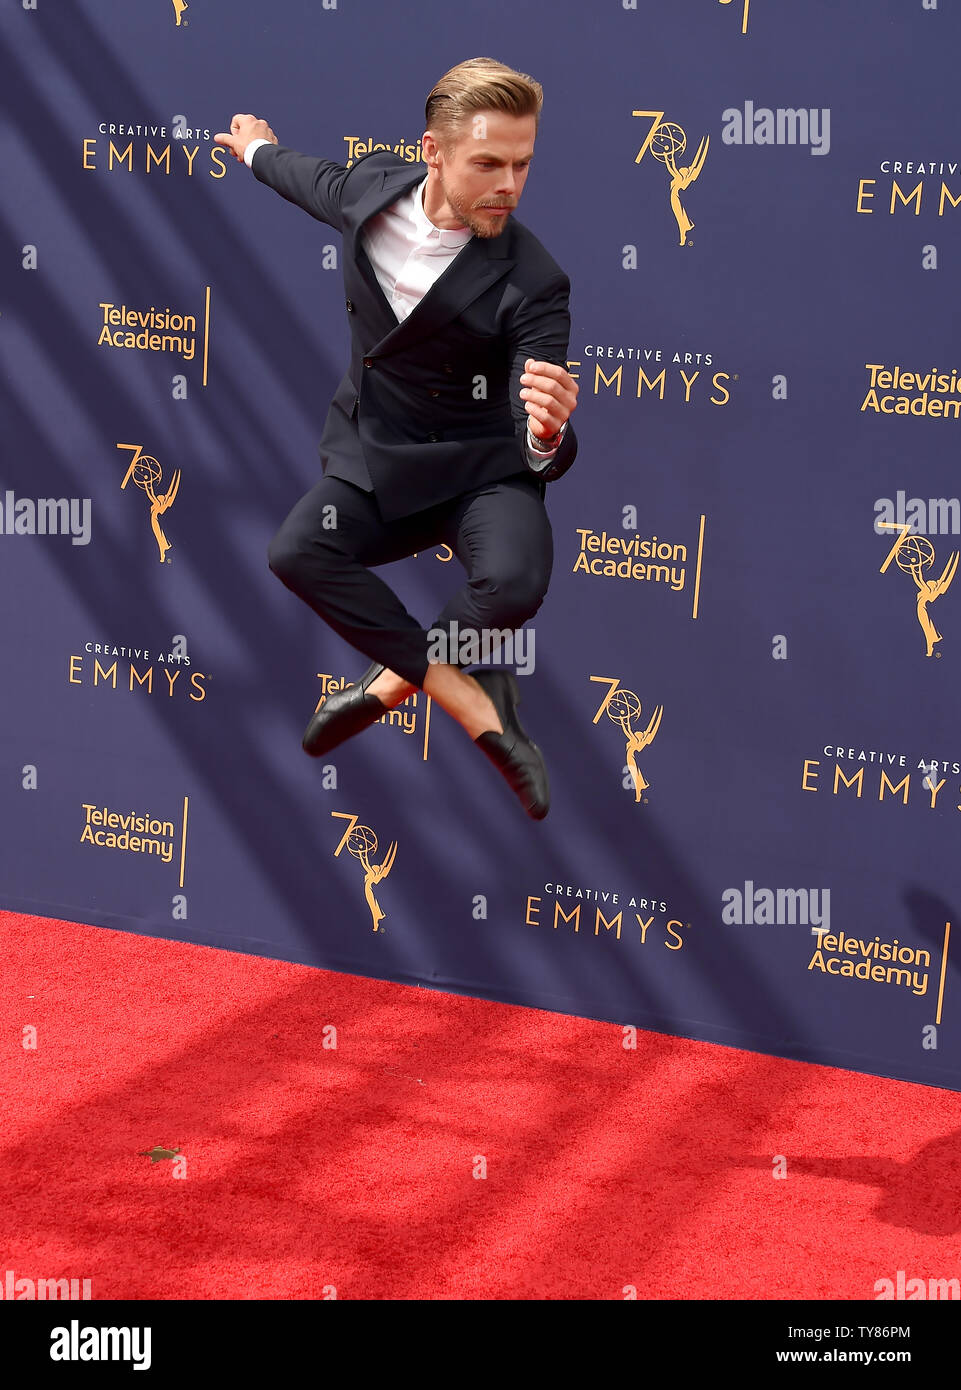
x=309 y=1168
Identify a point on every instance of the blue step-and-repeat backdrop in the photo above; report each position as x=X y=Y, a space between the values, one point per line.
x=745 y=673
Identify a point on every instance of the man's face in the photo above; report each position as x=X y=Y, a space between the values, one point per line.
x=483 y=175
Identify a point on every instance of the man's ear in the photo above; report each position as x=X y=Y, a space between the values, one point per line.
x=433 y=151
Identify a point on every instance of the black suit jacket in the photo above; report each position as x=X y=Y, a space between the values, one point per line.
x=430 y=407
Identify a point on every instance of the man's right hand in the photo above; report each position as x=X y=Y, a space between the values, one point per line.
x=243 y=129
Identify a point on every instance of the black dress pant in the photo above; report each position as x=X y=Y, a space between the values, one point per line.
x=500 y=533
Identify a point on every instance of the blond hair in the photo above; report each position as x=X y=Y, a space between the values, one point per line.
x=480 y=84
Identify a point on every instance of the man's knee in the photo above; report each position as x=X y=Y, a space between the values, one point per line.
x=510 y=598
x=291 y=552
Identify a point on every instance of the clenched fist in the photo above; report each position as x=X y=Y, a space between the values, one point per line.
x=243 y=129
x=549 y=396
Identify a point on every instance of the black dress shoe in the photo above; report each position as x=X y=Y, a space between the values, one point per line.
x=518 y=760
x=343 y=714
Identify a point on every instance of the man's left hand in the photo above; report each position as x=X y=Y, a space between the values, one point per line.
x=550 y=397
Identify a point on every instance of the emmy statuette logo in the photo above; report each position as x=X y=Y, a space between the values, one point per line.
x=361 y=842
x=667 y=142
x=147 y=473
x=623 y=708
x=914 y=555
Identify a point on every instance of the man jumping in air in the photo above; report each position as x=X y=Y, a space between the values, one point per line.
x=453 y=414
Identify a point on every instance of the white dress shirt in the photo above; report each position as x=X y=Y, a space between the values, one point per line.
x=408 y=253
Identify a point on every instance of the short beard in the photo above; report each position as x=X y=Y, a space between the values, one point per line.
x=469 y=217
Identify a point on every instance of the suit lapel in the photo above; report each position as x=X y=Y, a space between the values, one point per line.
x=392 y=184
x=477 y=266
x=474 y=269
